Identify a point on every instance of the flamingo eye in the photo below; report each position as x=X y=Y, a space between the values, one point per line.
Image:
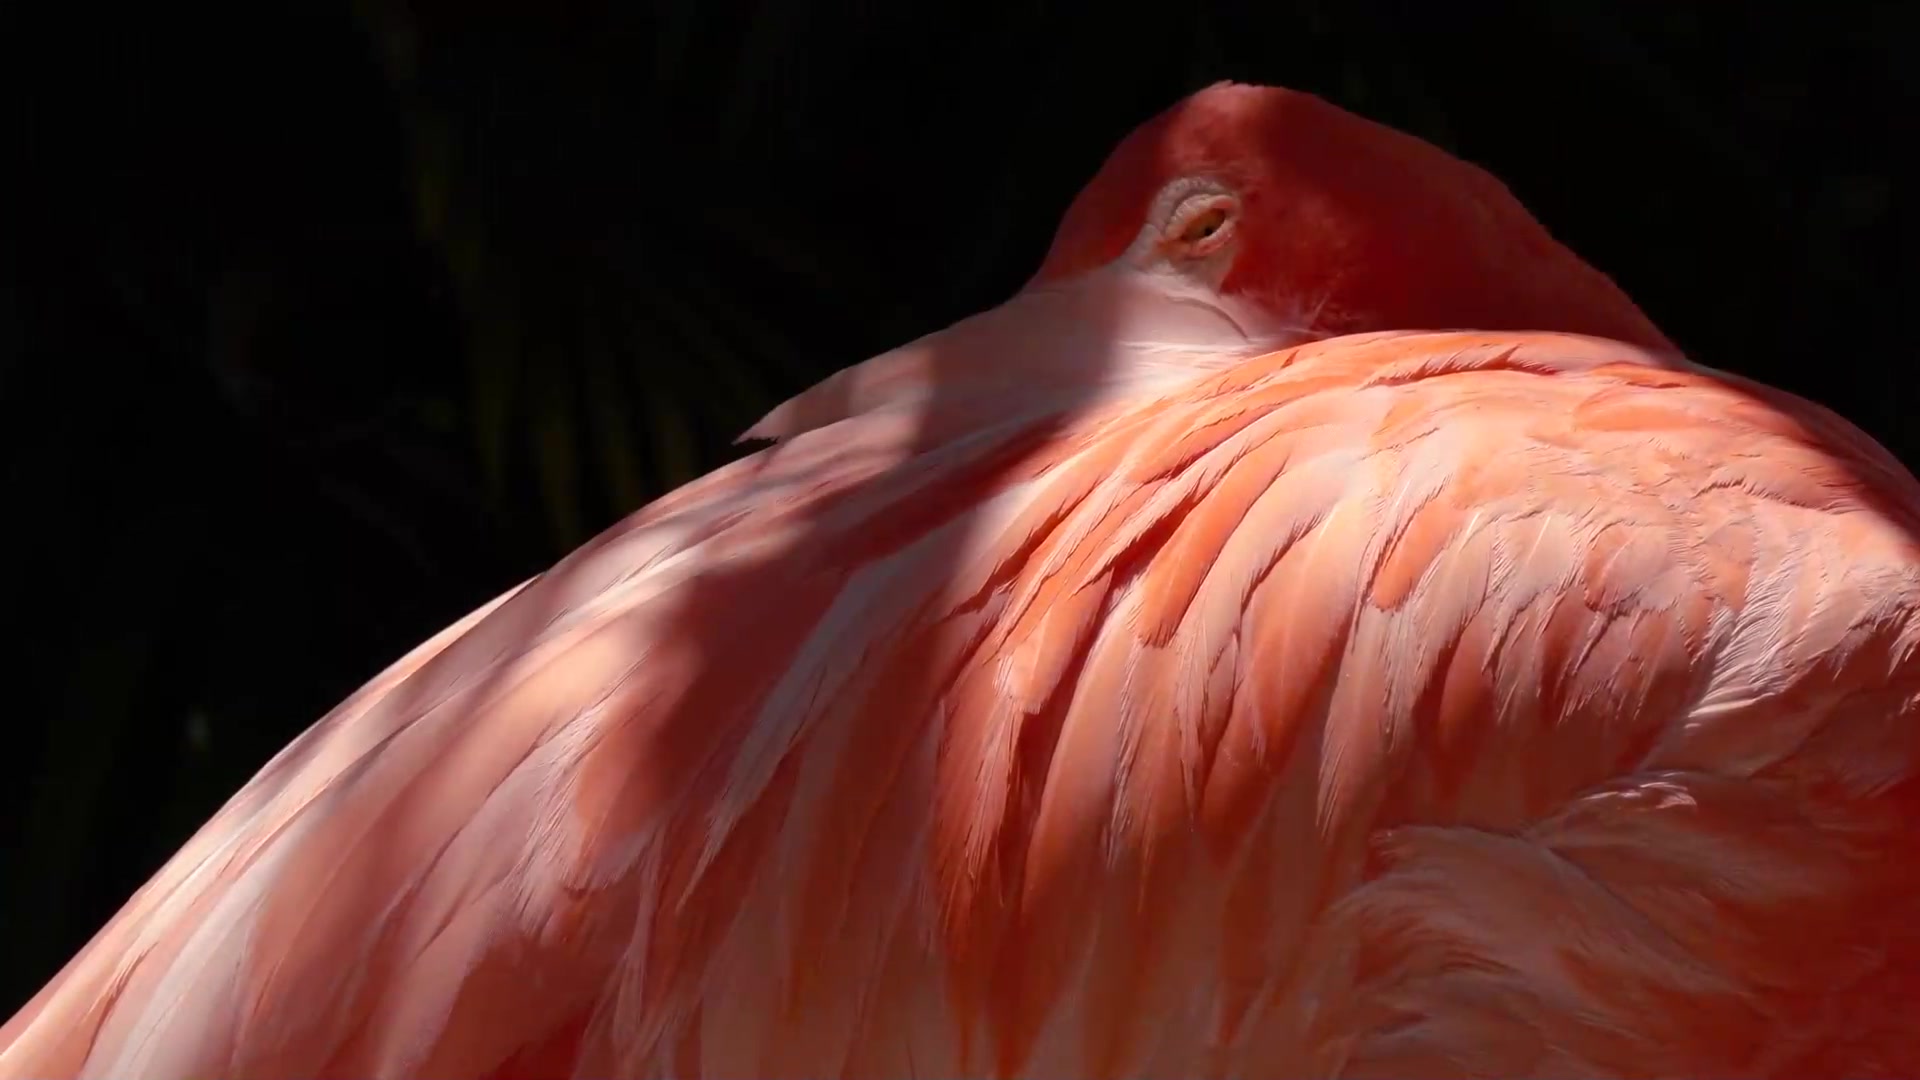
x=1205 y=225
x=1202 y=225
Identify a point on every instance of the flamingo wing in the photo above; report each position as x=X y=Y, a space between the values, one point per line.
x=1436 y=703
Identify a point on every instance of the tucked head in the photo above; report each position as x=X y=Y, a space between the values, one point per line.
x=1243 y=220
x=1342 y=224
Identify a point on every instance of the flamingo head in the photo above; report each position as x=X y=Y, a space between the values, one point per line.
x=1243 y=220
x=1330 y=223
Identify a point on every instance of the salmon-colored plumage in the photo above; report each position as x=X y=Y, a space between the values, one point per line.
x=1318 y=628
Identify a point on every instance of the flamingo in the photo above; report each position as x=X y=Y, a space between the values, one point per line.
x=1318 y=627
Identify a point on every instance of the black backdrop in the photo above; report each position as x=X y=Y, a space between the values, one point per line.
x=325 y=321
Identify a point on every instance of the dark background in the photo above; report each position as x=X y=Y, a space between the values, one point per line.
x=321 y=323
